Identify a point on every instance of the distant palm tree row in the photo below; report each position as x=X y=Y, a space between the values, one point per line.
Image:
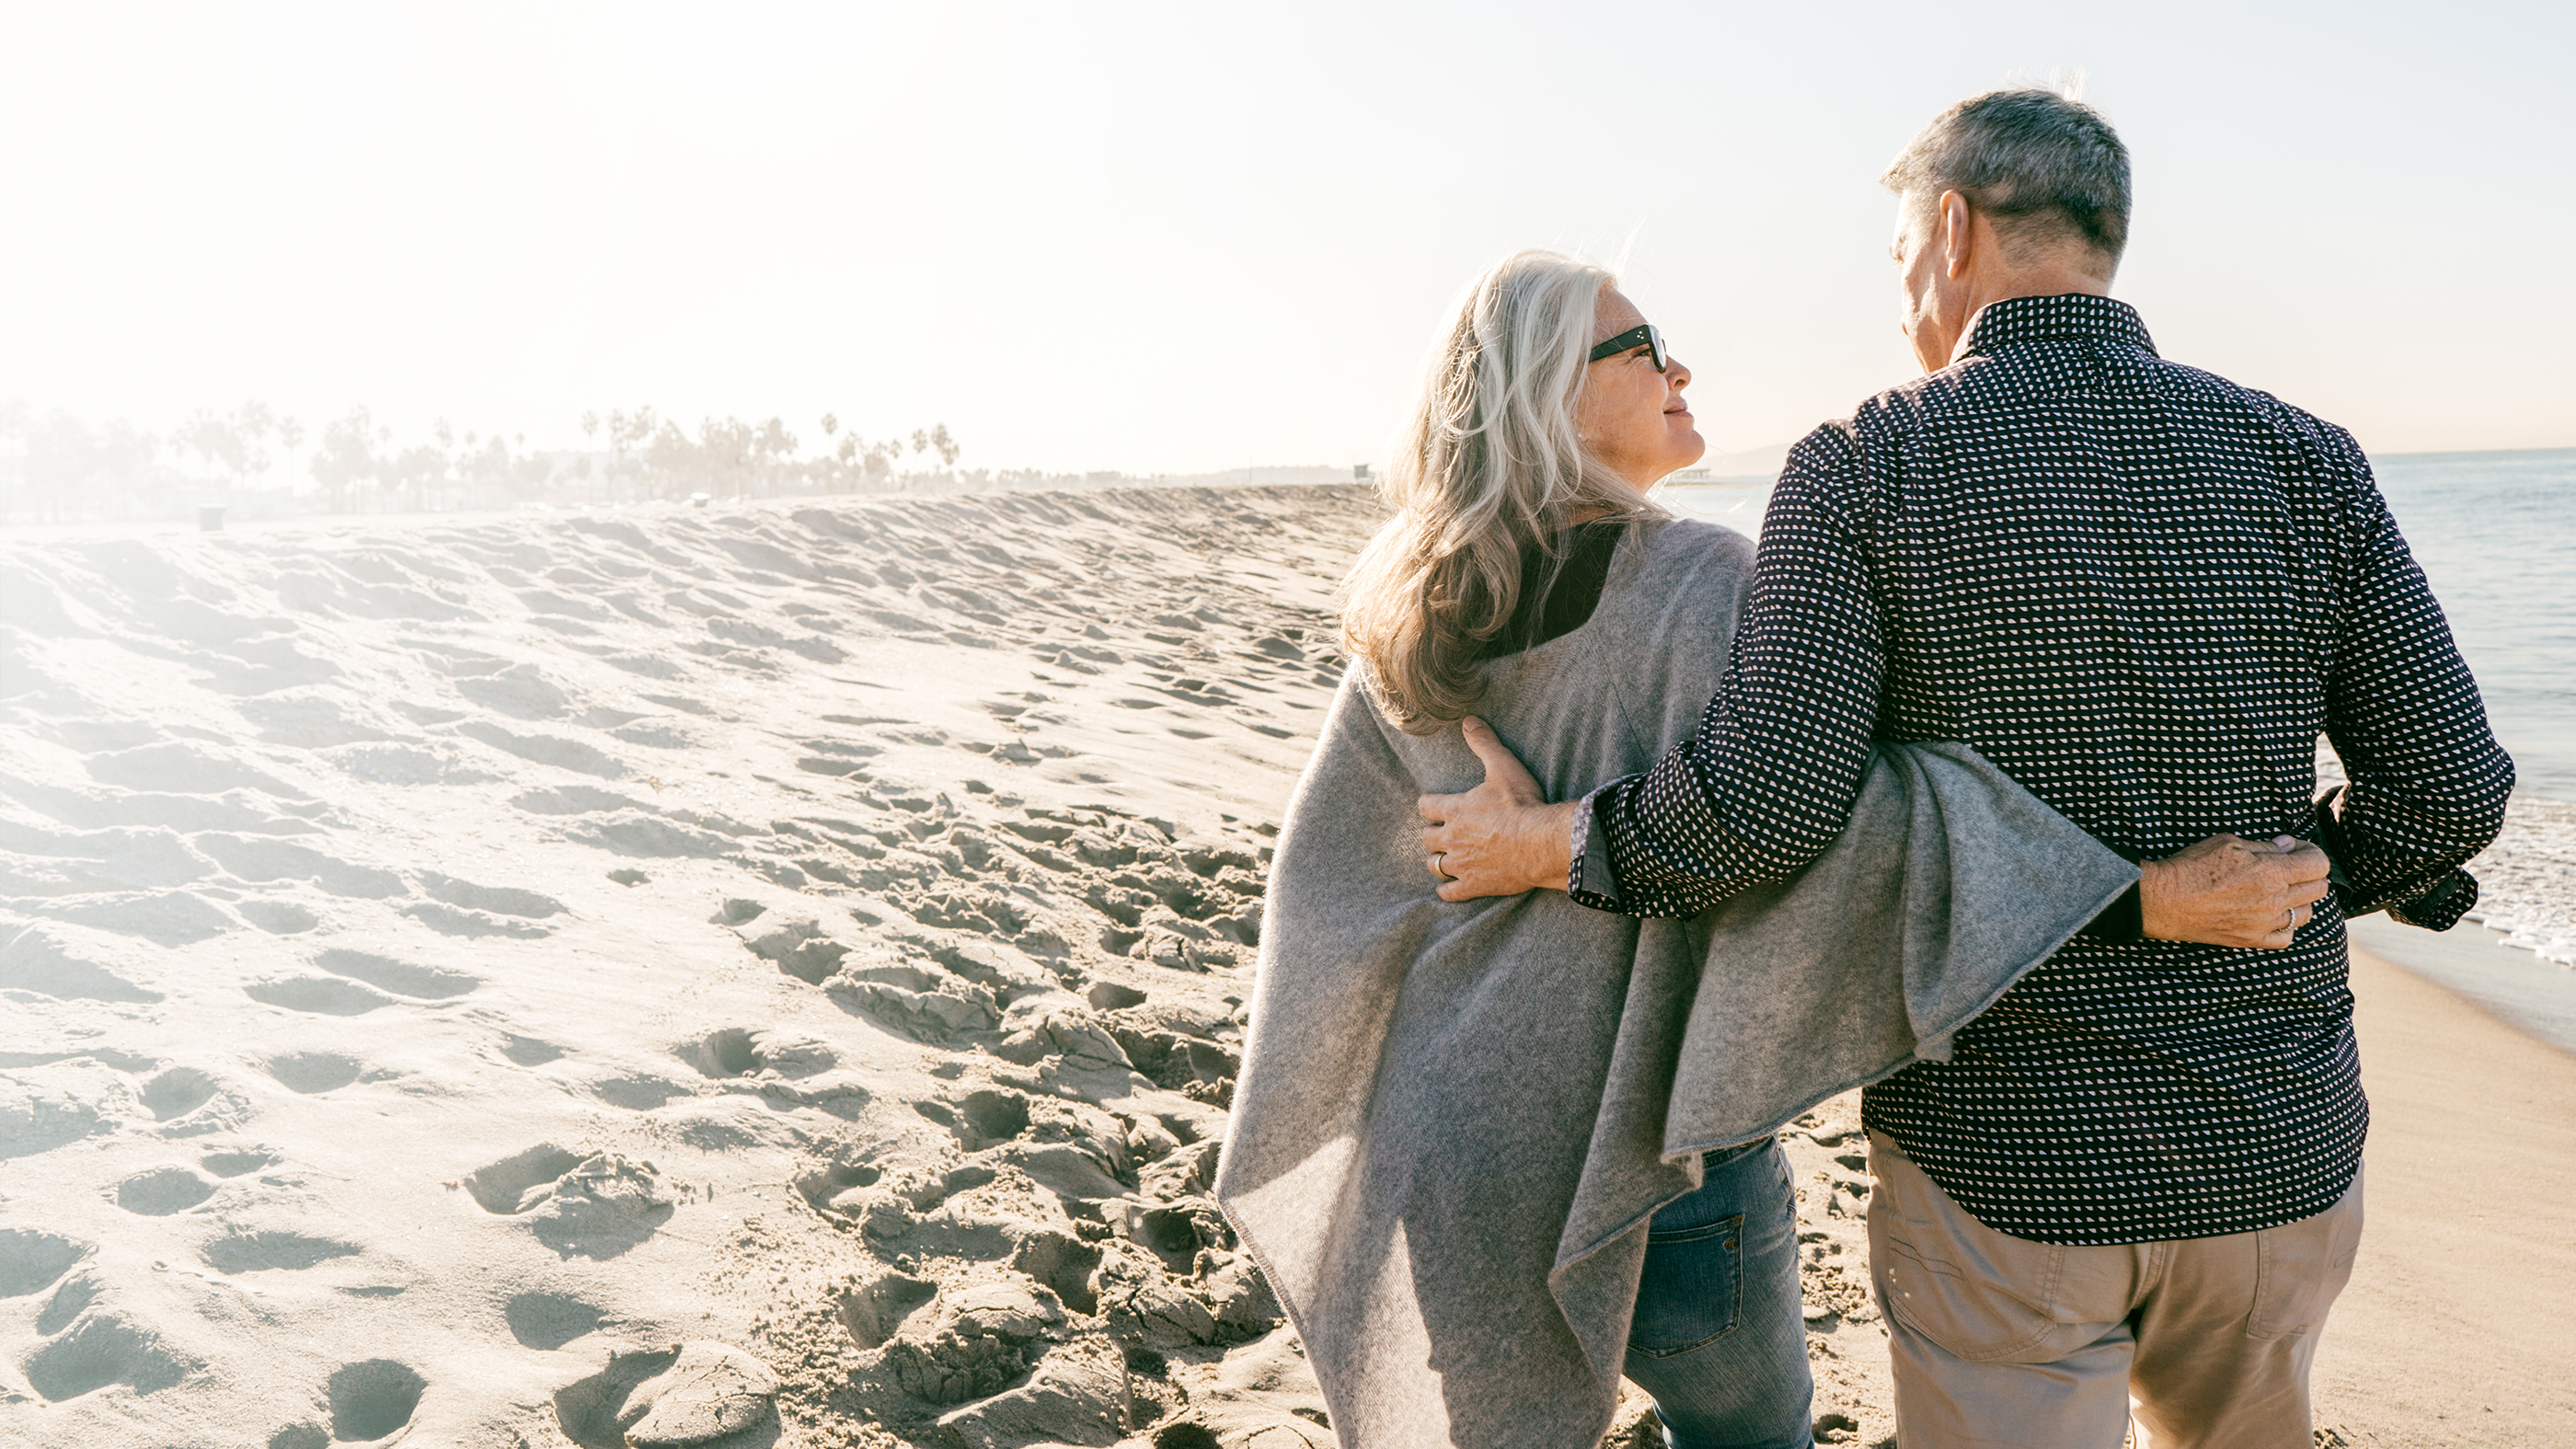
x=57 y=467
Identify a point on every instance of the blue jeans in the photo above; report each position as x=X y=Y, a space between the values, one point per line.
x=1718 y=1337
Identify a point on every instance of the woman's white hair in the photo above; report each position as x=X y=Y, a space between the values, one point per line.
x=1487 y=473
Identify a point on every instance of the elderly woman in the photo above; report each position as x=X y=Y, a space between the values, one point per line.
x=1492 y=1154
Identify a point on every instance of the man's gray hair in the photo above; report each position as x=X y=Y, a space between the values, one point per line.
x=2042 y=166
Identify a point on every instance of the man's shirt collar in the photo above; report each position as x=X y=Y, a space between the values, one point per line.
x=2033 y=319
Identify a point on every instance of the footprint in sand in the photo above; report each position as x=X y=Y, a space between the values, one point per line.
x=166 y=918
x=549 y=1320
x=1111 y=996
x=596 y=1206
x=403 y=978
x=875 y=1311
x=835 y=1183
x=693 y=1393
x=373 y=1399
x=520 y=691
x=39 y=961
x=798 y=944
x=235 y=1161
x=639 y=835
x=31 y=1260
x=160 y=1191
x=529 y=1051
x=503 y=1187
x=184 y=769
x=981 y=1118
x=450 y=921
x=744 y=1052
x=575 y=800
x=555 y=750
x=323 y=995
x=253 y=1251
x=638 y=1093
x=1062 y=1263
x=392 y=764
x=267 y=859
x=177 y=1092
x=680 y=702
x=499 y=900
x=189 y=1103
x=99 y=1351
x=311 y=1072
x=68 y=1303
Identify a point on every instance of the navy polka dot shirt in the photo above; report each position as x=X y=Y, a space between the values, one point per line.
x=2143 y=592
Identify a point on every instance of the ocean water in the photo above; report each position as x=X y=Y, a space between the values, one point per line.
x=2496 y=536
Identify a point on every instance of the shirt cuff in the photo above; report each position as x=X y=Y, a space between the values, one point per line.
x=1588 y=877
x=2440 y=905
x=2122 y=923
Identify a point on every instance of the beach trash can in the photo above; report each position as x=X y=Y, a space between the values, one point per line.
x=210 y=519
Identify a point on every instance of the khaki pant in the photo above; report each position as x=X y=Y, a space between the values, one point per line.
x=2000 y=1341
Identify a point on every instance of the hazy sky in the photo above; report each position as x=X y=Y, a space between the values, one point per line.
x=1185 y=238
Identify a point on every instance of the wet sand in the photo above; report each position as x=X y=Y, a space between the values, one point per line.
x=2456 y=1327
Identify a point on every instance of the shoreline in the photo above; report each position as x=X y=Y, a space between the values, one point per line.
x=2484 y=968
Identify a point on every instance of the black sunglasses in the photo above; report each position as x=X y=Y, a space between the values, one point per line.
x=1643 y=335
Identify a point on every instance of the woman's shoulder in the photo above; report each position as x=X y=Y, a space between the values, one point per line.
x=1678 y=576
x=1693 y=542
x=1672 y=552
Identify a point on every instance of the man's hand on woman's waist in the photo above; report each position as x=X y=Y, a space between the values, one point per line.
x=2230 y=891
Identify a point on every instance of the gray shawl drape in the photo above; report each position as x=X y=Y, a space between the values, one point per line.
x=1454 y=1120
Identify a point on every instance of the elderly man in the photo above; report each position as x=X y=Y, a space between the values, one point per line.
x=2142 y=591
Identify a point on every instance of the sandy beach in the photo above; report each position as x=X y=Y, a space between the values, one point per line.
x=773 y=975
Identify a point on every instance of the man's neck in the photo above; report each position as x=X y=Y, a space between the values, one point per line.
x=2025 y=282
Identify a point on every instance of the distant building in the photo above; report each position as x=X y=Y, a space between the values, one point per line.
x=1359 y=472
x=1691 y=475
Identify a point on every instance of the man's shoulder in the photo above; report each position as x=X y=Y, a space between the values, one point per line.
x=1967 y=391
x=2284 y=417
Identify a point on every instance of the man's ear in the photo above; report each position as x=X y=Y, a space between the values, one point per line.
x=1957 y=234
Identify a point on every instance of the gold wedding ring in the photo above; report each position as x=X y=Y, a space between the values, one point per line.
x=1437 y=868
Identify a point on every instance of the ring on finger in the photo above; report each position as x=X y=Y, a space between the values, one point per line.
x=1438 y=868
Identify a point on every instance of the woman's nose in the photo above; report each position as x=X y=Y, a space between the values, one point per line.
x=1676 y=376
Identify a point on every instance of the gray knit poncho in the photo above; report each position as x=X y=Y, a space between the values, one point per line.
x=1454 y=1120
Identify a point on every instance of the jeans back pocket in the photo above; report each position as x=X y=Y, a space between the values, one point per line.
x=1692 y=1289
